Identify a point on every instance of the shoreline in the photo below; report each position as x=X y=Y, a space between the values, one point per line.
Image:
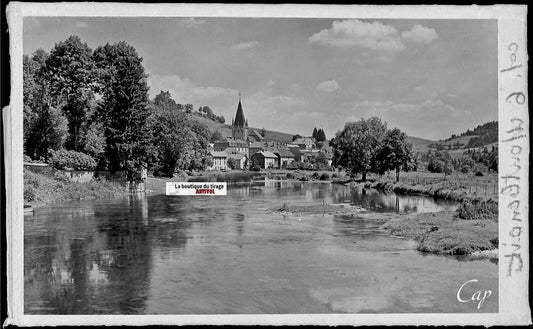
x=436 y=233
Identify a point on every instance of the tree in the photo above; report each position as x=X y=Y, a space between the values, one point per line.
x=164 y=102
x=295 y=137
x=395 y=153
x=172 y=140
x=33 y=91
x=71 y=72
x=314 y=133
x=263 y=132
x=215 y=136
x=232 y=163
x=320 y=135
x=122 y=82
x=356 y=145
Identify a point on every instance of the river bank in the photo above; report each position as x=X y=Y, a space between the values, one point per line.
x=438 y=233
x=41 y=189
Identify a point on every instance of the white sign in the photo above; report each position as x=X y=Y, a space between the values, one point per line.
x=196 y=188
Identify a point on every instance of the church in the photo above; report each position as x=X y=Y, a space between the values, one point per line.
x=239 y=125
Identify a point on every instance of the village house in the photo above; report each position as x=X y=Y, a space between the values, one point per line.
x=220 y=160
x=237 y=144
x=265 y=159
x=304 y=143
x=255 y=147
x=239 y=159
x=285 y=157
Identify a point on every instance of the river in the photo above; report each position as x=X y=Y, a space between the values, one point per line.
x=158 y=254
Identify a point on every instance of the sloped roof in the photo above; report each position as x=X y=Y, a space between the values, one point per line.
x=257 y=145
x=234 y=141
x=219 y=154
x=237 y=156
x=284 y=153
x=267 y=154
x=239 y=117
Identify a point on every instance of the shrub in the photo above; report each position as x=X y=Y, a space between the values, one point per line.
x=479 y=173
x=324 y=176
x=256 y=168
x=290 y=175
x=315 y=175
x=335 y=175
x=63 y=159
x=27 y=158
x=476 y=209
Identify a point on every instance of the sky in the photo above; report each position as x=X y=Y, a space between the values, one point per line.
x=430 y=78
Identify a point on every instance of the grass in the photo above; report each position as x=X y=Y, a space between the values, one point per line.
x=40 y=189
x=443 y=233
x=457 y=187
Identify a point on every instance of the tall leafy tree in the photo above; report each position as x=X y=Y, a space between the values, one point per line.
x=320 y=135
x=395 y=153
x=356 y=146
x=314 y=133
x=123 y=109
x=45 y=127
x=70 y=70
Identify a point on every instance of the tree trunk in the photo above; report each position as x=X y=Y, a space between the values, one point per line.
x=364 y=176
x=397 y=174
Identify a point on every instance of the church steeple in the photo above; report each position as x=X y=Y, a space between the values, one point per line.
x=239 y=125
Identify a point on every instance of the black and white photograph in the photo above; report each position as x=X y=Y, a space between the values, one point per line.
x=234 y=164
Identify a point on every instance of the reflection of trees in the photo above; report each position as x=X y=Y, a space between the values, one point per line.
x=98 y=263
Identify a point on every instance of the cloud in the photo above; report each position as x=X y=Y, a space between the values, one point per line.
x=420 y=34
x=270 y=83
x=375 y=35
x=246 y=45
x=328 y=86
x=184 y=90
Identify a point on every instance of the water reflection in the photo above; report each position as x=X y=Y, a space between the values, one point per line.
x=160 y=254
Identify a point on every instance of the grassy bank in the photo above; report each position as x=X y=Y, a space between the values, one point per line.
x=456 y=187
x=40 y=189
x=444 y=233
x=458 y=232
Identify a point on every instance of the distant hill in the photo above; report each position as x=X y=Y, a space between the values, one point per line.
x=225 y=129
x=420 y=144
x=483 y=135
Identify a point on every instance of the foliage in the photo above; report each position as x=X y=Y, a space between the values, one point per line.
x=295 y=137
x=164 y=102
x=63 y=159
x=45 y=127
x=215 y=136
x=208 y=113
x=172 y=141
x=395 y=153
x=263 y=132
x=232 y=163
x=256 y=168
x=94 y=140
x=122 y=83
x=356 y=146
x=477 y=209
x=49 y=131
x=70 y=71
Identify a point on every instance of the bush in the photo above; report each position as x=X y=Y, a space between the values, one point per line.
x=27 y=158
x=479 y=173
x=63 y=159
x=324 y=176
x=335 y=175
x=256 y=168
x=475 y=209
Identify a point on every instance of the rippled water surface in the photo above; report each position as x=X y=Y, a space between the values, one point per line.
x=159 y=254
